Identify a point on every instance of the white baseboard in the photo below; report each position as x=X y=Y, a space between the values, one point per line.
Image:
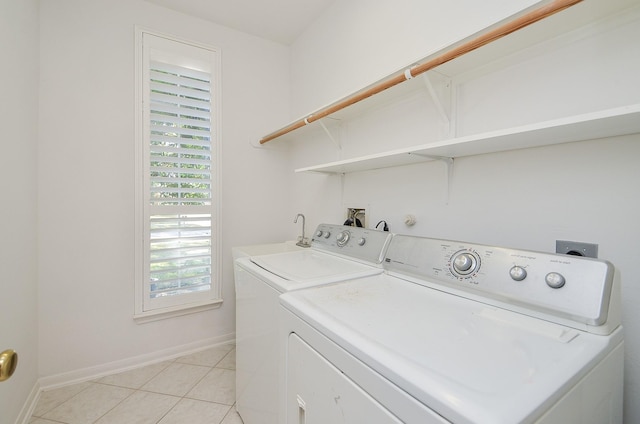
x=98 y=371
x=29 y=405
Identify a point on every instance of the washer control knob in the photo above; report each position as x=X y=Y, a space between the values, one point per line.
x=362 y=241
x=518 y=273
x=463 y=262
x=555 y=280
x=342 y=238
x=319 y=233
x=327 y=234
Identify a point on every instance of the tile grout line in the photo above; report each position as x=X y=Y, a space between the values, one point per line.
x=133 y=391
x=185 y=396
x=41 y=416
x=116 y=405
x=139 y=388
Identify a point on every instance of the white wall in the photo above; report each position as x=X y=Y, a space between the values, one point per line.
x=588 y=191
x=355 y=43
x=86 y=172
x=18 y=281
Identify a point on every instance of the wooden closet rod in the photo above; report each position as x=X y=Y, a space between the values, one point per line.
x=499 y=32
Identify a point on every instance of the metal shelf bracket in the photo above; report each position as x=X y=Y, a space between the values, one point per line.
x=448 y=162
x=443 y=106
x=335 y=140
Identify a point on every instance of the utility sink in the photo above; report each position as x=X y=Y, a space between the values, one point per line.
x=264 y=249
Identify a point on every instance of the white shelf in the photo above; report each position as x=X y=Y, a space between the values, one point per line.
x=575 y=17
x=608 y=123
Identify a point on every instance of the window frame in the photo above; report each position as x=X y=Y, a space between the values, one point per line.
x=181 y=304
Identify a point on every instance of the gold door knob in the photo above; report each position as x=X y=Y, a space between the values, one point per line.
x=8 y=364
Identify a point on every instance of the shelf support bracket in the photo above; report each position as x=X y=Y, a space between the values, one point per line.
x=440 y=107
x=448 y=169
x=331 y=137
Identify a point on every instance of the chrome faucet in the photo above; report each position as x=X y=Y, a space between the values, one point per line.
x=302 y=241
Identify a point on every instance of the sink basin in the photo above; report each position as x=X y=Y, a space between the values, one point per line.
x=264 y=249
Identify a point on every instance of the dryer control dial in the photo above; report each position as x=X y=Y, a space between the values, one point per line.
x=464 y=263
x=362 y=241
x=342 y=238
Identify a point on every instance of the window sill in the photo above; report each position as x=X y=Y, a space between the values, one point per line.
x=175 y=311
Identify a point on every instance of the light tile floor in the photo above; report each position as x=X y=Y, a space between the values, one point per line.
x=192 y=389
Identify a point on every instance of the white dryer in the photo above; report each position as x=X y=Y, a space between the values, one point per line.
x=337 y=253
x=457 y=333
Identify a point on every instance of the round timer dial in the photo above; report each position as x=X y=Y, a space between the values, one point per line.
x=342 y=238
x=465 y=263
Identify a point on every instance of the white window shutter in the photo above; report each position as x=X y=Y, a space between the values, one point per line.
x=180 y=176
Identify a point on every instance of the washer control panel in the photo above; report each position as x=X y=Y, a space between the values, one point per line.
x=571 y=287
x=354 y=242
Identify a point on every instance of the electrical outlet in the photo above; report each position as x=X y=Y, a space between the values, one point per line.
x=576 y=248
x=355 y=215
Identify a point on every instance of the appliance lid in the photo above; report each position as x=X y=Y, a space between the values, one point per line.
x=310 y=266
x=468 y=361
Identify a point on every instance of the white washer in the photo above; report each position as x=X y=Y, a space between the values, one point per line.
x=457 y=332
x=337 y=253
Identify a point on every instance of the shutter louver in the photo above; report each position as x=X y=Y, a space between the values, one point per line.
x=180 y=143
x=180 y=191
x=180 y=254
